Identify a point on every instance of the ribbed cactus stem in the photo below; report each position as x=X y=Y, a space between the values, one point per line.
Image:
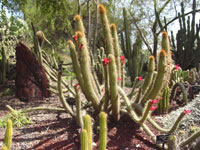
x=76 y=65
x=84 y=139
x=106 y=30
x=8 y=135
x=168 y=131
x=136 y=81
x=103 y=131
x=86 y=70
x=79 y=24
x=149 y=76
x=159 y=79
x=172 y=145
x=113 y=88
x=165 y=42
x=116 y=49
x=190 y=139
x=61 y=95
x=4 y=59
x=78 y=107
x=88 y=127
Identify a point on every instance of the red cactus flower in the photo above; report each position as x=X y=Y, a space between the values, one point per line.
x=177 y=67
x=77 y=86
x=187 y=111
x=75 y=38
x=122 y=58
x=106 y=61
x=155 y=101
x=103 y=90
x=153 y=107
x=139 y=78
x=119 y=78
x=81 y=47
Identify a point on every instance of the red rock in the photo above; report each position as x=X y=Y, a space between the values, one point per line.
x=31 y=80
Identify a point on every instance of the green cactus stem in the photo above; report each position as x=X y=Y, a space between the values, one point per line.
x=8 y=135
x=4 y=148
x=103 y=131
x=164 y=103
x=78 y=106
x=190 y=139
x=113 y=88
x=172 y=145
x=159 y=79
x=4 y=59
x=84 y=139
x=61 y=96
x=88 y=127
x=183 y=90
x=106 y=30
x=90 y=89
x=116 y=49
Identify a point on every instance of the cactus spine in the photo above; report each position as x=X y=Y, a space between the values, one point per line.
x=88 y=127
x=103 y=131
x=8 y=135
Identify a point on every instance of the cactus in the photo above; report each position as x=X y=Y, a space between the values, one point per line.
x=164 y=103
x=183 y=90
x=139 y=104
x=84 y=139
x=4 y=148
x=8 y=135
x=88 y=127
x=186 y=51
x=103 y=131
x=133 y=54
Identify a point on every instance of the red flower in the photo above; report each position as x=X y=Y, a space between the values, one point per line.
x=153 y=107
x=155 y=101
x=81 y=47
x=119 y=78
x=177 y=67
x=106 y=61
x=77 y=86
x=103 y=90
x=122 y=58
x=187 y=111
x=139 y=78
x=75 y=38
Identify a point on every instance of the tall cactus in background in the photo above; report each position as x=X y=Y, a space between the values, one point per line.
x=187 y=48
x=8 y=135
x=133 y=54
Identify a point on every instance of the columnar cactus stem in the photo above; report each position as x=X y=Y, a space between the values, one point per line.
x=190 y=139
x=116 y=49
x=113 y=88
x=159 y=79
x=84 y=139
x=8 y=135
x=62 y=98
x=88 y=127
x=106 y=30
x=103 y=131
x=86 y=71
x=78 y=106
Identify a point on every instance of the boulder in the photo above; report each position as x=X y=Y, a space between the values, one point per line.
x=31 y=80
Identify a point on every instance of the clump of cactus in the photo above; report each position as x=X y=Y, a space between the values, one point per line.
x=86 y=132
